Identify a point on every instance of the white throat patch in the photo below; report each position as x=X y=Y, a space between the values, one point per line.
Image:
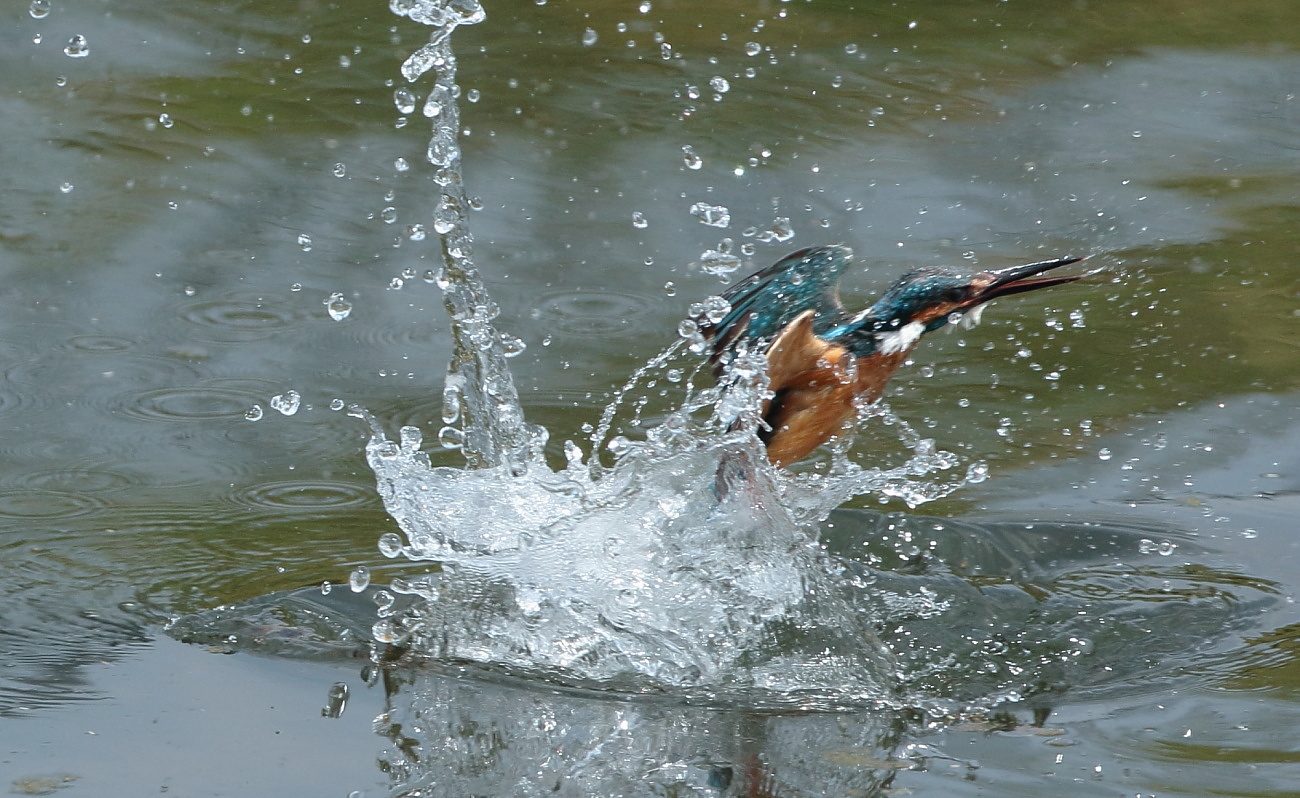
x=902 y=339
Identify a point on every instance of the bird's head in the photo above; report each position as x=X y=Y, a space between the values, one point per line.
x=926 y=299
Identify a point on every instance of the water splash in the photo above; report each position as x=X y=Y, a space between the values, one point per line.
x=670 y=557
x=686 y=565
x=492 y=429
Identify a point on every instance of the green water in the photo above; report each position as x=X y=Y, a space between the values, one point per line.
x=156 y=287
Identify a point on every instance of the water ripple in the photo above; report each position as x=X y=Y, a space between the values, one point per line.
x=246 y=317
x=79 y=480
x=193 y=403
x=47 y=504
x=97 y=344
x=593 y=312
x=306 y=495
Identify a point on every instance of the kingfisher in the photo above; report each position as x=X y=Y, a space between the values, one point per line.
x=822 y=360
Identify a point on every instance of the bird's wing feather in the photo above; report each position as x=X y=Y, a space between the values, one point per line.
x=768 y=300
x=794 y=349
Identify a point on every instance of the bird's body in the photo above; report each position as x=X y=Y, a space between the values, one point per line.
x=822 y=360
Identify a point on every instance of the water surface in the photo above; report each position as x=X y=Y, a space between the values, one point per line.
x=175 y=219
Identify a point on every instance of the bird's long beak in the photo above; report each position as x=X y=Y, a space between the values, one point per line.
x=1017 y=279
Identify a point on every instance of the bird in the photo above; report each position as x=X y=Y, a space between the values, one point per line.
x=822 y=360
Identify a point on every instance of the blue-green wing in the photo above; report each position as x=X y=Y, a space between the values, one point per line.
x=766 y=301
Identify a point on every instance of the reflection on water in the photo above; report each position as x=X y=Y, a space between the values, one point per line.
x=475 y=737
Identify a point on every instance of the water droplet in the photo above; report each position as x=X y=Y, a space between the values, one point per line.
x=37 y=38
x=336 y=404
x=714 y=308
x=166 y=120
x=286 y=403
x=417 y=232
x=1164 y=548
x=451 y=438
x=326 y=587
x=589 y=37
x=719 y=84
x=390 y=544
x=344 y=61
x=1137 y=134
x=753 y=48
x=670 y=288
x=304 y=243
x=61 y=81
x=254 y=413
x=66 y=187
x=39 y=9
x=511 y=346
x=618 y=444
x=645 y=7
x=401 y=165
x=780 y=231
x=338 y=307
x=442 y=152
x=639 y=220
x=77 y=47
x=404 y=99
x=690 y=158
x=1104 y=454
x=712 y=215
x=359 y=579
x=340 y=170
x=720 y=262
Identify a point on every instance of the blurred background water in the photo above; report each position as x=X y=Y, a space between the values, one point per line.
x=187 y=187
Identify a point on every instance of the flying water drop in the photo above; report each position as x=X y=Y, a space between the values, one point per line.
x=712 y=215
x=77 y=47
x=359 y=579
x=338 y=307
x=404 y=99
x=286 y=403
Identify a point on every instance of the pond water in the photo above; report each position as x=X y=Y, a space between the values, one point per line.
x=213 y=208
